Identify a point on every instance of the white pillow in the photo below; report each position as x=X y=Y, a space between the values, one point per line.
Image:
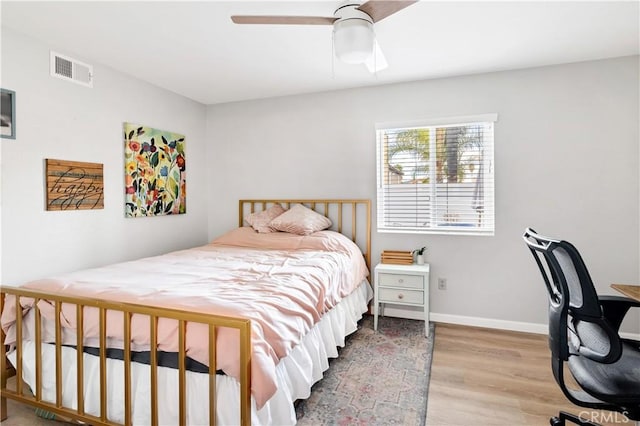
x=300 y=220
x=260 y=220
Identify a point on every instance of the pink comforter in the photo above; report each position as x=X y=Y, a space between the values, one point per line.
x=283 y=283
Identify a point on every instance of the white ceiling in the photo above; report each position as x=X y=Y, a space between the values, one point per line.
x=193 y=48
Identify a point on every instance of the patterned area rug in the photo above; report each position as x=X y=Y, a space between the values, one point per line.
x=380 y=378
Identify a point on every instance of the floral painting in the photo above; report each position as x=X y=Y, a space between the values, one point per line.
x=155 y=182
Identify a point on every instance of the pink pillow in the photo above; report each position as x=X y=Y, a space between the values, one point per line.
x=300 y=220
x=260 y=220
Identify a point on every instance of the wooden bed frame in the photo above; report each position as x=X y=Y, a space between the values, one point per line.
x=335 y=209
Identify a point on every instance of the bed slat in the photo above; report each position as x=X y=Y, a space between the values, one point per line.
x=353 y=221
x=19 y=347
x=58 y=309
x=103 y=364
x=80 y=357
x=212 y=375
x=127 y=368
x=153 y=324
x=182 y=394
x=245 y=373
x=38 y=320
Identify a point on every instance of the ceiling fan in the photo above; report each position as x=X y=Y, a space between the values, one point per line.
x=354 y=41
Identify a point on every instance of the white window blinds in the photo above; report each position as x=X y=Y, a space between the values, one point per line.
x=437 y=176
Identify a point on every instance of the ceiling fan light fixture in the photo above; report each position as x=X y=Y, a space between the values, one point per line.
x=353 y=40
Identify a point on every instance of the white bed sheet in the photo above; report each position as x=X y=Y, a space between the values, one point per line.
x=296 y=373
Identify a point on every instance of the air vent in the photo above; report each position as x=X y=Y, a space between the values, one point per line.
x=71 y=70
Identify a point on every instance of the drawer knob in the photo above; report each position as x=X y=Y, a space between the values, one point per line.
x=400 y=280
x=400 y=296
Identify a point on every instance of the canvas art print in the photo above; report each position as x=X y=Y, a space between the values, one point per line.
x=155 y=182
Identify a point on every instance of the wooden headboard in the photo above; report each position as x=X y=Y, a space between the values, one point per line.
x=351 y=218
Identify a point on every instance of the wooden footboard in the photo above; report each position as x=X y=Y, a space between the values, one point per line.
x=20 y=392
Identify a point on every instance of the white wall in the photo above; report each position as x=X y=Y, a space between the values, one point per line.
x=566 y=161
x=60 y=120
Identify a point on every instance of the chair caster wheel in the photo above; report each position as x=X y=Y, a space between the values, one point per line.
x=555 y=421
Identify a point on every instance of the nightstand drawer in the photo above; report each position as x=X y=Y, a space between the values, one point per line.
x=392 y=295
x=399 y=280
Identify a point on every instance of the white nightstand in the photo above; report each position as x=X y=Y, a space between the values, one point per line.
x=401 y=285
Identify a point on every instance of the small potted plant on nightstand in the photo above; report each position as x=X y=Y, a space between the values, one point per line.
x=420 y=255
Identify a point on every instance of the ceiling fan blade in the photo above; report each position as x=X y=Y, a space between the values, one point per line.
x=377 y=61
x=380 y=9
x=283 y=20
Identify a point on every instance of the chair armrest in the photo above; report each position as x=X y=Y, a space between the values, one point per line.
x=614 y=308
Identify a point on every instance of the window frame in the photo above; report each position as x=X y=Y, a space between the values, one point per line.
x=488 y=227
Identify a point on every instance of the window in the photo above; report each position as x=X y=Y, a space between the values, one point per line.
x=437 y=177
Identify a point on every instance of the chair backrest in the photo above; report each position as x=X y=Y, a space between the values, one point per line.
x=576 y=322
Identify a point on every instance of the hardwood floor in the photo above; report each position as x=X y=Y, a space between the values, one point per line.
x=492 y=377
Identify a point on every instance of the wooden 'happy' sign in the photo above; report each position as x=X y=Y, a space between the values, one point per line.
x=74 y=185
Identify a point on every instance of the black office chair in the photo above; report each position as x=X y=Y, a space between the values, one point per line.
x=583 y=331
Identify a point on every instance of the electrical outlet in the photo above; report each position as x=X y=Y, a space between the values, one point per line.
x=442 y=283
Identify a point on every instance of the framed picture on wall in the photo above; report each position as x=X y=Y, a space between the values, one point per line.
x=7 y=114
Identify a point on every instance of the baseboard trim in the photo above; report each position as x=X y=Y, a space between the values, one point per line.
x=526 y=327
